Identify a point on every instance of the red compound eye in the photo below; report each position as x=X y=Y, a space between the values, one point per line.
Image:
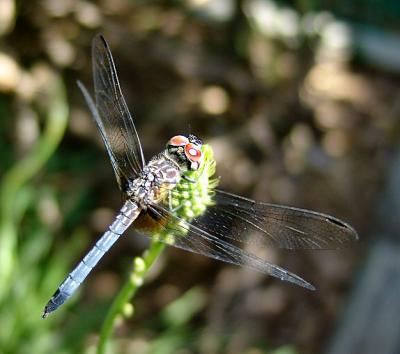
x=179 y=140
x=192 y=152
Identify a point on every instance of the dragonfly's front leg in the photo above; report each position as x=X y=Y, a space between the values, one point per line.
x=190 y=180
x=172 y=209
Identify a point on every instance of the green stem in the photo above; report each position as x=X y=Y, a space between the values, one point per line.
x=119 y=306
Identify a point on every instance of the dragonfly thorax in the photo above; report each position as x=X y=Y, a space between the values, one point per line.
x=158 y=177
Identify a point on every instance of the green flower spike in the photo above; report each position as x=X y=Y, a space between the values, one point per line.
x=191 y=197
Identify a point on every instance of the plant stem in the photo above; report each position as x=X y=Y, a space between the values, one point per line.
x=135 y=281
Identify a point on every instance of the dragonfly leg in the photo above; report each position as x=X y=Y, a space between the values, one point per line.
x=191 y=180
x=170 y=199
x=170 y=206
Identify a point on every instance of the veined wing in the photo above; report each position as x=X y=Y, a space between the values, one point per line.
x=176 y=232
x=234 y=222
x=112 y=115
x=235 y=218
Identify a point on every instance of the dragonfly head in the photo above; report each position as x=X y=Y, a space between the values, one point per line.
x=186 y=151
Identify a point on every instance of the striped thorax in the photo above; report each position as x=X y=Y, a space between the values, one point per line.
x=159 y=176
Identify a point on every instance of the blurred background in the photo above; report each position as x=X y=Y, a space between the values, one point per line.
x=299 y=100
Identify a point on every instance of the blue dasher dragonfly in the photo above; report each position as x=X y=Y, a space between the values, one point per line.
x=221 y=231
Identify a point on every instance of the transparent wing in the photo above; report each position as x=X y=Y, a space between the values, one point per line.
x=235 y=218
x=181 y=234
x=112 y=115
x=234 y=222
x=95 y=114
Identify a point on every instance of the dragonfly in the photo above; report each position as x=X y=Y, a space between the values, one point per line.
x=221 y=232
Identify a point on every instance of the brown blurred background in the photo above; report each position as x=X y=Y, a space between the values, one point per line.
x=299 y=100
